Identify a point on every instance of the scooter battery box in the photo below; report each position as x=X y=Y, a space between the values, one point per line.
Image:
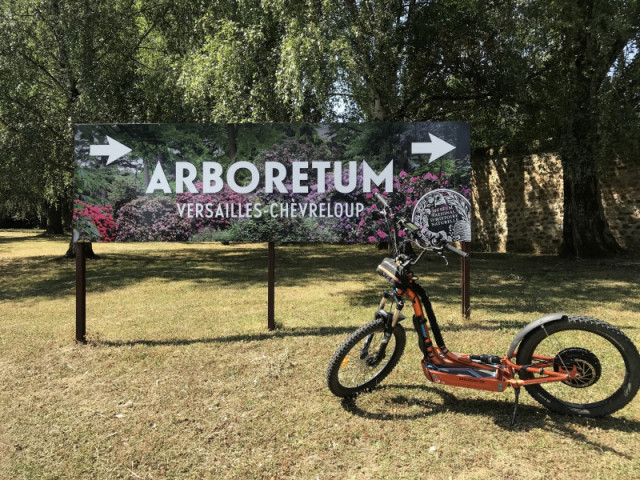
x=392 y=272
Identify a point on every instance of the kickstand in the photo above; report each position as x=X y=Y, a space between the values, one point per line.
x=515 y=406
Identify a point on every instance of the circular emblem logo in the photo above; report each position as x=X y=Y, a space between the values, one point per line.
x=443 y=215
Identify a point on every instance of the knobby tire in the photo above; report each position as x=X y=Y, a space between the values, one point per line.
x=614 y=379
x=349 y=375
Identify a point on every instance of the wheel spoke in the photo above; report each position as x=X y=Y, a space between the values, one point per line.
x=359 y=369
x=596 y=349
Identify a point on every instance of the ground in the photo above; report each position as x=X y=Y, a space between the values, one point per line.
x=181 y=379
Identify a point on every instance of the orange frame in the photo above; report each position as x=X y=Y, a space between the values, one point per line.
x=478 y=376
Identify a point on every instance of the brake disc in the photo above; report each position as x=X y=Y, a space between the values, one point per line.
x=587 y=365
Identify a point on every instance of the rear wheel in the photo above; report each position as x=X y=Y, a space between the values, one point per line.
x=607 y=366
x=362 y=361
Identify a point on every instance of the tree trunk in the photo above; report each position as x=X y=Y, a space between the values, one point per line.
x=71 y=251
x=54 y=220
x=586 y=232
x=147 y=175
x=232 y=132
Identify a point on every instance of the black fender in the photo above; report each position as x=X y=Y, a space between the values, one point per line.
x=552 y=317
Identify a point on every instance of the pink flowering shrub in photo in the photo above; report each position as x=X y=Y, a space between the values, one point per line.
x=100 y=216
x=148 y=219
x=407 y=191
x=207 y=220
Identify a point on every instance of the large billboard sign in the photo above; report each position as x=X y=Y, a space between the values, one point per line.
x=267 y=182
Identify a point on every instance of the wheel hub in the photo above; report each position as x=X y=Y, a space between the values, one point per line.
x=587 y=365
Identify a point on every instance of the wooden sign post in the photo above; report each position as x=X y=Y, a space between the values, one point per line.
x=81 y=292
x=271 y=280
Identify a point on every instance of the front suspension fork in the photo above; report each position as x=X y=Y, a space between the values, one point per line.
x=391 y=320
x=388 y=295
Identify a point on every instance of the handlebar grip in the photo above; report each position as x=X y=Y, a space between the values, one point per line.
x=455 y=250
x=382 y=200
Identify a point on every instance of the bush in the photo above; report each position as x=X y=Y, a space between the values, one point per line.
x=206 y=235
x=407 y=192
x=309 y=229
x=94 y=222
x=225 y=196
x=266 y=228
x=152 y=219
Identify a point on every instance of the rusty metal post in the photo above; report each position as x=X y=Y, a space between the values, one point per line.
x=271 y=280
x=466 y=280
x=81 y=292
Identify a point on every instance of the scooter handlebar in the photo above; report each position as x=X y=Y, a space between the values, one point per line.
x=455 y=250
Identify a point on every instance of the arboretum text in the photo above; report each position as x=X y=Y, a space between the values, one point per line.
x=275 y=174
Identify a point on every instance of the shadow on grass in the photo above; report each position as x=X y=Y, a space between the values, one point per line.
x=529 y=417
x=504 y=284
x=4 y=239
x=284 y=333
x=50 y=277
x=28 y=237
x=280 y=332
x=520 y=283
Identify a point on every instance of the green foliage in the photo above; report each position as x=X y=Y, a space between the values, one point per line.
x=261 y=61
x=530 y=76
x=67 y=62
x=266 y=228
x=121 y=191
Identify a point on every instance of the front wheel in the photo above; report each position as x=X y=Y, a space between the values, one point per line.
x=606 y=365
x=363 y=361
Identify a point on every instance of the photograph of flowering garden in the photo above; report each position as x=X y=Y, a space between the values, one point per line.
x=283 y=182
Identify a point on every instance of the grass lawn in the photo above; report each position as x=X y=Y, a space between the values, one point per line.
x=181 y=379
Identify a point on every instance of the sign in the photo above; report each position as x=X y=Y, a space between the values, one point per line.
x=443 y=214
x=259 y=182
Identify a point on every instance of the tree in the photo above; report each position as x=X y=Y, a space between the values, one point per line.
x=529 y=75
x=592 y=43
x=582 y=54
x=418 y=60
x=261 y=61
x=64 y=62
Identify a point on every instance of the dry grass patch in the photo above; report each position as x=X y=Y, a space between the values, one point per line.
x=180 y=378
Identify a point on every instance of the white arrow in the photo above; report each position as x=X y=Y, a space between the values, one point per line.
x=114 y=150
x=437 y=148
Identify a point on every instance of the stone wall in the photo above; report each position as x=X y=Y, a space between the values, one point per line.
x=620 y=186
x=518 y=203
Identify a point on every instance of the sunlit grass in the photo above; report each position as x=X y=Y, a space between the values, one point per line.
x=181 y=379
